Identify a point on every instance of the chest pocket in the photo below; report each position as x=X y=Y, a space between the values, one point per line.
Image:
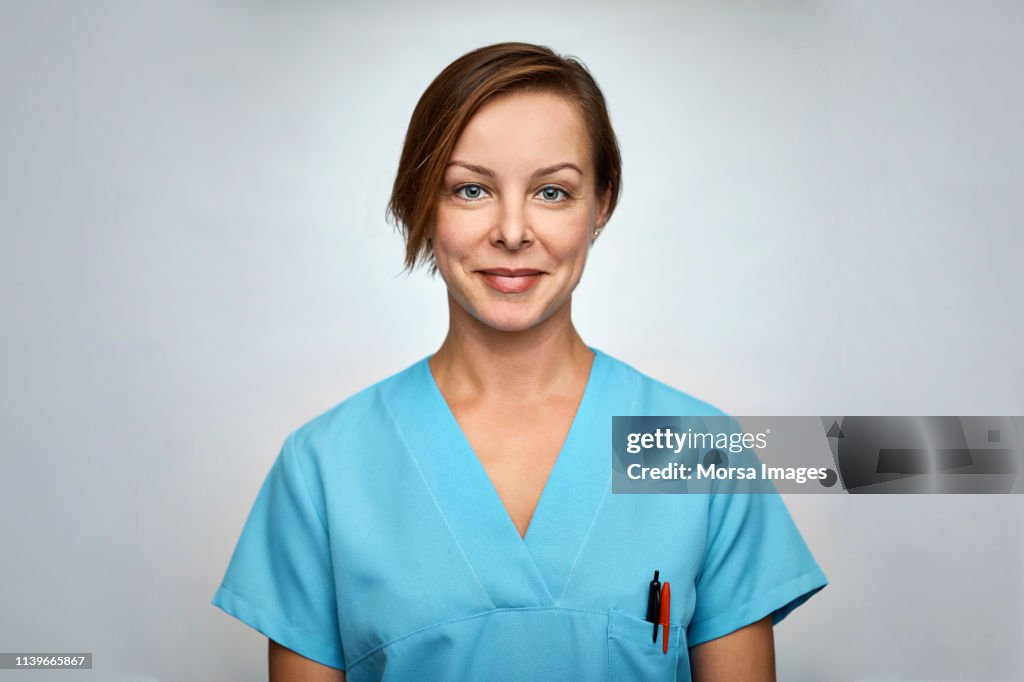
x=633 y=656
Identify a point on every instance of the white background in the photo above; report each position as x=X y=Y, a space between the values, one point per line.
x=818 y=218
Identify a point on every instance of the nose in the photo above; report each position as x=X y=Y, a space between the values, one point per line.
x=513 y=230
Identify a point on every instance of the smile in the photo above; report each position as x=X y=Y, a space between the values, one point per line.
x=509 y=281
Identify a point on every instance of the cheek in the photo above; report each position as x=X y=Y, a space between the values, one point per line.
x=568 y=240
x=454 y=234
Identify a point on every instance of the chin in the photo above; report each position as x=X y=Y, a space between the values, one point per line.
x=516 y=315
x=517 y=318
x=509 y=317
x=510 y=323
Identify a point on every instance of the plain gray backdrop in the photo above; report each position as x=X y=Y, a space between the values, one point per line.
x=819 y=217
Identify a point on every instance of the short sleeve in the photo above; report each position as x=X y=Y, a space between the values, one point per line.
x=756 y=563
x=280 y=579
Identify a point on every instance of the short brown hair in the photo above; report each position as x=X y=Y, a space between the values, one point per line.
x=456 y=94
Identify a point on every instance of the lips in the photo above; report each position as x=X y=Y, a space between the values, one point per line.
x=511 y=281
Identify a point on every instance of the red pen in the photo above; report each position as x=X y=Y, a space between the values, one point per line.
x=663 y=615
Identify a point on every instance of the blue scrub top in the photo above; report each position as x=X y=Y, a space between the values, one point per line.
x=379 y=545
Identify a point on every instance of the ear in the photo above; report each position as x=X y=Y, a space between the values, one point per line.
x=604 y=203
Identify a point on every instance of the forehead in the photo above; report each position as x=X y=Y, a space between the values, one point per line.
x=525 y=127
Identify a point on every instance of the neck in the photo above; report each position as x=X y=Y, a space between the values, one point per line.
x=478 y=360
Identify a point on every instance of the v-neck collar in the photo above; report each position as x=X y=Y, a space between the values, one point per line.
x=515 y=571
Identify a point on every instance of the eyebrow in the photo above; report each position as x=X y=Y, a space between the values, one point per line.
x=539 y=173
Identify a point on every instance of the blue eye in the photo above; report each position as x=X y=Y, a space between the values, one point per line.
x=553 y=194
x=470 y=192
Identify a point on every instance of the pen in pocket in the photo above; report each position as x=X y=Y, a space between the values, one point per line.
x=654 y=604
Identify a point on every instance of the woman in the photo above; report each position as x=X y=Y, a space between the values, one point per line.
x=455 y=520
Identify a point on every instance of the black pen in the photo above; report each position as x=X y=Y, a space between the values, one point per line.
x=654 y=604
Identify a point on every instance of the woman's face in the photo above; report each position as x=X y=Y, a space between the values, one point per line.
x=518 y=210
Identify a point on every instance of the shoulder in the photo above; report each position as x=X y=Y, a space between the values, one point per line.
x=352 y=422
x=654 y=397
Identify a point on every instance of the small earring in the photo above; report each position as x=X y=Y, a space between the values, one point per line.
x=597 y=231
